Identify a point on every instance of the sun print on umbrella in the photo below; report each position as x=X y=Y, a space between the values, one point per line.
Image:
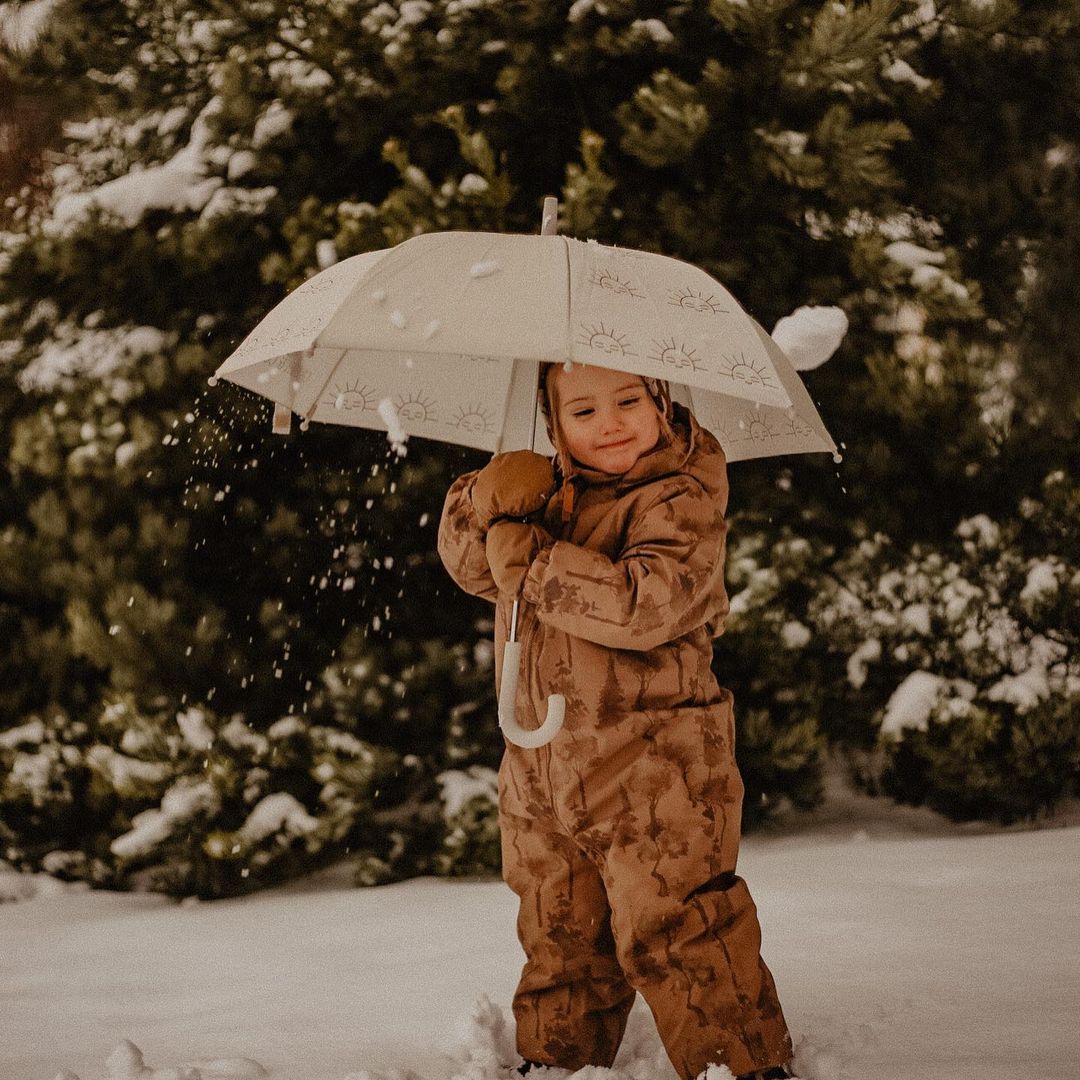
x=352 y=397
x=750 y=372
x=608 y=279
x=608 y=341
x=695 y=300
x=416 y=407
x=680 y=357
x=474 y=417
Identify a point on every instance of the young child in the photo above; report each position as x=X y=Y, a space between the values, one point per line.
x=620 y=836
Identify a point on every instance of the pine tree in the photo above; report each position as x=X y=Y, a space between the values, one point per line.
x=163 y=550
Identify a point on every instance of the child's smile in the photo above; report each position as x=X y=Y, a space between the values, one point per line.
x=607 y=417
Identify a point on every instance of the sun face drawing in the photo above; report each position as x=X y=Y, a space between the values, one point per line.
x=800 y=427
x=475 y=418
x=745 y=371
x=694 y=300
x=678 y=357
x=608 y=279
x=609 y=342
x=757 y=428
x=351 y=398
x=416 y=407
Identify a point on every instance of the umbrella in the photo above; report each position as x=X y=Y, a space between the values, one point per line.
x=442 y=337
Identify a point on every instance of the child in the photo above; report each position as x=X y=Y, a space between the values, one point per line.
x=620 y=836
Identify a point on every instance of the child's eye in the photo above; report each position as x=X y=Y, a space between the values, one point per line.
x=630 y=401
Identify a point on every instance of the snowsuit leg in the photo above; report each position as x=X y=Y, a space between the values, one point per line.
x=572 y=1001
x=686 y=930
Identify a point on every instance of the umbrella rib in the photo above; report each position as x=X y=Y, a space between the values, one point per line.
x=569 y=331
x=329 y=378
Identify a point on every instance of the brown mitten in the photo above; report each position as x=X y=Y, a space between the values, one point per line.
x=512 y=485
x=511 y=547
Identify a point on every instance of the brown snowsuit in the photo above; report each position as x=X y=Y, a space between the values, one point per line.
x=620 y=836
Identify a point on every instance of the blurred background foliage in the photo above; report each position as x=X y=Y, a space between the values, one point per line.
x=231 y=656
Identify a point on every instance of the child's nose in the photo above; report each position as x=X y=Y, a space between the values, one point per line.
x=611 y=419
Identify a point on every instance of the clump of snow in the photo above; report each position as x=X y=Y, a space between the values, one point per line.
x=32 y=732
x=21 y=25
x=459 y=787
x=810 y=335
x=902 y=71
x=396 y=434
x=126 y=1062
x=912 y=702
x=473 y=184
x=980 y=530
x=858 y=661
x=179 y=184
x=1041 y=583
x=77 y=352
x=795 y=635
x=280 y=812
x=924 y=266
x=656 y=29
x=179 y=805
x=122 y=771
x=193 y=726
x=274 y=121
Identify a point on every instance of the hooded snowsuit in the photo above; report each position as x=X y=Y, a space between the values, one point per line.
x=620 y=836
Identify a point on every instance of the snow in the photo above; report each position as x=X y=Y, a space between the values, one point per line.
x=76 y=352
x=179 y=184
x=22 y=24
x=810 y=335
x=458 y=787
x=179 y=804
x=858 y=661
x=912 y=702
x=902 y=71
x=1041 y=583
x=274 y=813
x=795 y=635
x=903 y=947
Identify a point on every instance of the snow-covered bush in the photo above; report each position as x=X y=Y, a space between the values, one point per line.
x=199 y=805
x=470 y=800
x=969 y=655
x=774 y=666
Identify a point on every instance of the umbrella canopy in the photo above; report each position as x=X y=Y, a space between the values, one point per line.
x=442 y=337
x=430 y=327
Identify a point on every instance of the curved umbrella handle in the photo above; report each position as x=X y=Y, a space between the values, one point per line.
x=518 y=735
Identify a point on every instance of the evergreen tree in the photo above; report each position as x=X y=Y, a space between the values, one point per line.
x=164 y=552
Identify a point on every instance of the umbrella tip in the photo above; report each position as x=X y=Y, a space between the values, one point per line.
x=837 y=457
x=213 y=380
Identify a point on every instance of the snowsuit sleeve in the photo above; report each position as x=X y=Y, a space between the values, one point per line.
x=461 y=541
x=667 y=580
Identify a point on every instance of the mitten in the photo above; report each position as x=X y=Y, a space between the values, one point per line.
x=512 y=485
x=511 y=547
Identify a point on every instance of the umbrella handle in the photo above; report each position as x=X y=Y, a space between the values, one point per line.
x=518 y=735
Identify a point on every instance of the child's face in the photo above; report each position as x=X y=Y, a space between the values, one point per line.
x=607 y=417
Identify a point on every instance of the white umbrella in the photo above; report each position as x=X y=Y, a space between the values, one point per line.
x=442 y=337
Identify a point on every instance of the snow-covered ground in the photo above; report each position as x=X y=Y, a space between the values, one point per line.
x=903 y=948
